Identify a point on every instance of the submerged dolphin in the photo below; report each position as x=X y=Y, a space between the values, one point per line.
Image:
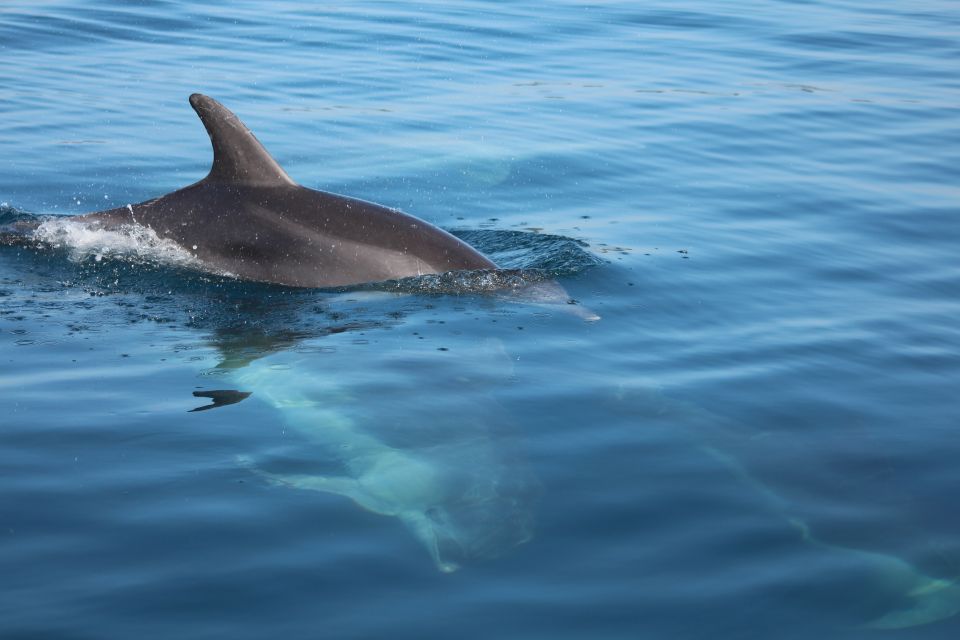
x=460 y=493
x=249 y=219
x=922 y=599
x=913 y=597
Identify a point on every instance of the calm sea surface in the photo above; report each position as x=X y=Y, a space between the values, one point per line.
x=757 y=440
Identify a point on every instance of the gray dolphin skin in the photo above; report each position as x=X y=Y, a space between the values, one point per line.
x=249 y=219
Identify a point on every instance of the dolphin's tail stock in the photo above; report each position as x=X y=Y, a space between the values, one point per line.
x=922 y=599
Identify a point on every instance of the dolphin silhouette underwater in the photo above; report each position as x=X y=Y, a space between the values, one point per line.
x=459 y=491
x=249 y=219
x=917 y=598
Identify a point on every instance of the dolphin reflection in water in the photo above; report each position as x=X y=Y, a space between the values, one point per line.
x=447 y=473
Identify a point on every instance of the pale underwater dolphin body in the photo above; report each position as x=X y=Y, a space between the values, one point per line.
x=248 y=218
x=460 y=496
x=921 y=599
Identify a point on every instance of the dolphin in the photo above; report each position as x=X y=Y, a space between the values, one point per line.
x=458 y=492
x=921 y=599
x=247 y=218
x=914 y=597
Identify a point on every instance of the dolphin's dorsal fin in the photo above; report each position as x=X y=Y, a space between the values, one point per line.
x=238 y=157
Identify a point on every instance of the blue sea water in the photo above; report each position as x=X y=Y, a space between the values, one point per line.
x=757 y=440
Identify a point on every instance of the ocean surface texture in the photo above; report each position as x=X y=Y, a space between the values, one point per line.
x=757 y=440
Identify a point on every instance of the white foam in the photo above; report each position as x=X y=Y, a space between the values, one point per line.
x=84 y=240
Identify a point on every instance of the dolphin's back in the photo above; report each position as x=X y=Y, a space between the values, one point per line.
x=248 y=218
x=301 y=237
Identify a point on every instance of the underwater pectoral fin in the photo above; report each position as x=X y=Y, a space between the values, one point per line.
x=328 y=484
x=418 y=523
x=220 y=397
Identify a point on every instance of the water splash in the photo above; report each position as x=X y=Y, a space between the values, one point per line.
x=84 y=241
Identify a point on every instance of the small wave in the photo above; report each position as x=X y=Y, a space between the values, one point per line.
x=527 y=251
x=10 y=215
x=16 y=225
x=132 y=242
